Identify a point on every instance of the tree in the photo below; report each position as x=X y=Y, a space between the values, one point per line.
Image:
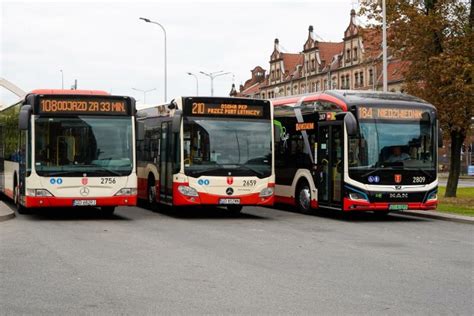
x=436 y=37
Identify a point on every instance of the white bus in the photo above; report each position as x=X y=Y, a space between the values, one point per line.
x=69 y=148
x=206 y=151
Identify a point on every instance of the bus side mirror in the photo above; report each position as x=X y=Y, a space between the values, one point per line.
x=351 y=124
x=276 y=133
x=440 y=138
x=140 y=131
x=176 y=125
x=24 y=117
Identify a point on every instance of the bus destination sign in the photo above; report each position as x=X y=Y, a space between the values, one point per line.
x=226 y=109
x=369 y=113
x=81 y=105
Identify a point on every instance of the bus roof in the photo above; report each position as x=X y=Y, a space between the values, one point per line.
x=362 y=96
x=346 y=98
x=73 y=92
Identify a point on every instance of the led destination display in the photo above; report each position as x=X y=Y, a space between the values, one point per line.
x=81 y=105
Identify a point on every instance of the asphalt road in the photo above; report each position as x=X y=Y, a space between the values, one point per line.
x=264 y=261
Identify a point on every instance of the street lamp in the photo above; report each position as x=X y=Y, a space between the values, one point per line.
x=213 y=75
x=197 y=82
x=62 y=79
x=164 y=32
x=144 y=93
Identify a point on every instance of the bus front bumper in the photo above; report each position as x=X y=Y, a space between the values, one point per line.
x=361 y=205
x=52 y=201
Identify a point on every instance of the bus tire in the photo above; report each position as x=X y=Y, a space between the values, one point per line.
x=16 y=199
x=234 y=209
x=151 y=192
x=107 y=210
x=381 y=214
x=303 y=197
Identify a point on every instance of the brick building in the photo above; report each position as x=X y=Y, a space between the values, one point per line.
x=354 y=63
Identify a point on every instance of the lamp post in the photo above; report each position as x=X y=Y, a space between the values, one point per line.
x=197 y=82
x=62 y=79
x=213 y=75
x=144 y=93
x=166 y=71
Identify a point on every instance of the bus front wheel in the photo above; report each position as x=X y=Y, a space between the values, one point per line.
x=303 y=198
x=234 y=209
x=16 y=198
x=107 y=210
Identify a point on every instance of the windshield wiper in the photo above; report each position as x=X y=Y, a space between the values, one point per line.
x=375 y=170
x=260 y=173
x=115 y=173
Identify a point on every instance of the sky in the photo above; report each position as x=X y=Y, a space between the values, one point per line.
x=105 y=46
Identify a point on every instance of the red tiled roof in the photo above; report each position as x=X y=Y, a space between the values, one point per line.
x=290 y=61
x=327 y=50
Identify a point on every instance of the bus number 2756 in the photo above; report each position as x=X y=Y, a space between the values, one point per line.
x=108 y=181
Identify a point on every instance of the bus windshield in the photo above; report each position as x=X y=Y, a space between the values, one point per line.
x=220 y=147
x=388 y=144
x=72 y=146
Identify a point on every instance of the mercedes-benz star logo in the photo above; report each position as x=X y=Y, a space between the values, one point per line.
x=84 y=191
x=229 y=191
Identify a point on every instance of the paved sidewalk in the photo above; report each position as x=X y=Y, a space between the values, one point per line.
x=5 y=212
x=440 y=216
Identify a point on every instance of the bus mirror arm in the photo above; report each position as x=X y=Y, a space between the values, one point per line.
x=176 y=125
x=24 y=117
x=351 y=124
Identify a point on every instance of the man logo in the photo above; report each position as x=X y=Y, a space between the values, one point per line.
x=398 y=178
x=84 y=191
x=229 y=191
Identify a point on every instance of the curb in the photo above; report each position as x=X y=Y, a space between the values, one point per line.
x=440 y=216
x=6 y=213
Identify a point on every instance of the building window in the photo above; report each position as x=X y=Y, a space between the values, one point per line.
x=371 y=77
x=317 y=86
x=348 y=55
x=361 y=78
x=348 y=82
x=355 y=53
x=312 y=65
x=263 y=95
x=273 y=75
x=356 y=79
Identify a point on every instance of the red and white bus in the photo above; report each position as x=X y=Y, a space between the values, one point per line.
x=356 y=151
x=206 y=151
x=69 y=148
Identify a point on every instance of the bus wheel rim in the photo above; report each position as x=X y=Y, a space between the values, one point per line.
x=305 y=198
x=151 y=194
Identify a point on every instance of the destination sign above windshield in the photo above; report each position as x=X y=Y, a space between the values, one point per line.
x=226 y=109
x=82 y=105
x=384 y=113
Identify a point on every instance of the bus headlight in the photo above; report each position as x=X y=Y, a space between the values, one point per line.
x=266 y=192
x=187 y=190
x=127 y=191
x=38 y=192
x=433 y=196
x=357 y=196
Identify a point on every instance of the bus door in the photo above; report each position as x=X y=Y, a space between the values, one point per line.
x=166 y=181
x=330 y=164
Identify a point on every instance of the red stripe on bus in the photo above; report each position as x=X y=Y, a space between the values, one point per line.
x=213 y=199
x=52 y=201
x=351 y=205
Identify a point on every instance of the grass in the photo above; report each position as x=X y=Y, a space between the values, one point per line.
x=462 y=204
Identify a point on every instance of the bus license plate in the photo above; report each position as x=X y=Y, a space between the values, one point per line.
x=229 y=201
x=398 y=207
x=84 y=203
